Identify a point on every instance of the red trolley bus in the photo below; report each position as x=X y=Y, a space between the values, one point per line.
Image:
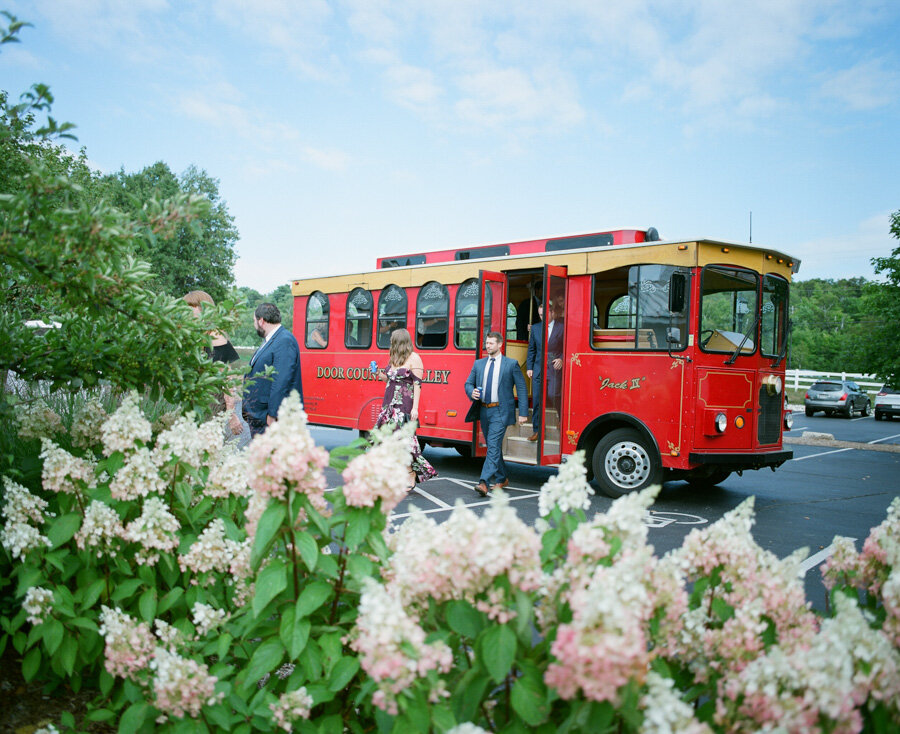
x=672 y=356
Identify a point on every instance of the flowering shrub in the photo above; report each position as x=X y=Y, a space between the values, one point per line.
x=201 y=589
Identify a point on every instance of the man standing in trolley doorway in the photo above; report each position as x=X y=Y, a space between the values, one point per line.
x=490 y=387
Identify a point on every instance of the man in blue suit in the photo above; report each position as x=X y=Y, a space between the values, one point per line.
x=263 y=396
x=490 y=386
x=534 y=368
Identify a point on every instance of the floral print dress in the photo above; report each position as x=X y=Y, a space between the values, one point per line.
x=395 y=410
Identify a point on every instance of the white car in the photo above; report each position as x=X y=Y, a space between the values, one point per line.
x=887 y=402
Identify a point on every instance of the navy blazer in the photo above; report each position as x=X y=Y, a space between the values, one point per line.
x=262 y=397
x=510 y=374
x=534 y=361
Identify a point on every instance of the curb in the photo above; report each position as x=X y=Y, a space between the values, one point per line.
x=815 y=440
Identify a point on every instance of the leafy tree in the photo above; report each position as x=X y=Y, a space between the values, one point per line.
x=68 y=258
x=881 y=346
x=199 y=254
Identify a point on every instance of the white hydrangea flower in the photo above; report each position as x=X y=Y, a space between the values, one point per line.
x=207 y=618
x=38 y=604
x=568 y=489
x=125 y=427
x=101 y=529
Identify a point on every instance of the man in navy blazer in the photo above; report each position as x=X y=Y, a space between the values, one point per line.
x=534 y=368
x=490 y=386
x=263 y=396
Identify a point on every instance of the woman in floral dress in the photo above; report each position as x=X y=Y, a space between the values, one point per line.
x=401 y=398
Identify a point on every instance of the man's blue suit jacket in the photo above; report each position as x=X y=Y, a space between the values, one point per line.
x=262 y=397
x=535 y=359
x=510 y=374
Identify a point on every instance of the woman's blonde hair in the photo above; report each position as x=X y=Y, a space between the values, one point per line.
x=195 y=298
x=401 y=347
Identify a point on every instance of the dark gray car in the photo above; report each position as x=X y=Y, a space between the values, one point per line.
x=836 y=396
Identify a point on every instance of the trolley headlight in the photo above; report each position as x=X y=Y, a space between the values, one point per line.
x=788 y=421
x=773 y=384
x=721 y=422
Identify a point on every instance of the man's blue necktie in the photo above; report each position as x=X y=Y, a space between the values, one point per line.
x=489 y=385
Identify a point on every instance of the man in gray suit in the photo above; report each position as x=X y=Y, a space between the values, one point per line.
x=490 y=386
x=263 y=396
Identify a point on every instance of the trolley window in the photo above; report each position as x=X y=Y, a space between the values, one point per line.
x=391 y=314
x=632 y=309
x=773 y=322
x=317 y=312
x=466 y=335
x=358 y=325
x=432 y=316
x=728 y=310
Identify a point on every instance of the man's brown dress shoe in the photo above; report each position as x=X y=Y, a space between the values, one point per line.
x=533 y=437
x=501 y=484
x=482 y=489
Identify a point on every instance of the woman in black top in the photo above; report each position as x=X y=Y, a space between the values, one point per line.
x=222 y=350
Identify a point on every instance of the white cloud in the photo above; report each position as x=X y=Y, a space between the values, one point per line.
x=867 y=85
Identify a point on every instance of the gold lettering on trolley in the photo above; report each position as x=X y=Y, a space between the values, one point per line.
x=363 y=374
x=632 y=383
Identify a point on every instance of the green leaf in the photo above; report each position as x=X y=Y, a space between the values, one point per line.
x=90 y=593
x=271 y=582
x=125 y=589
x=469 y=693
x=134 y=717
x=722 y=609
x=342 y=673
x=31 y=663
x=147 y=605
x=309 y=550
x=169 y=600
x=524 y=610
x=53 y=635
x=100 y=715
x=61 y=529
x=312 y=597
x=299 y=637
x=68 y=651
x=268 y=527
x=464 y=619
x=529 y=700
x=265 y=659
x=498 y=649
x=358 y=521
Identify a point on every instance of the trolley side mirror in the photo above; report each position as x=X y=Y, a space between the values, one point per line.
x=677 y=289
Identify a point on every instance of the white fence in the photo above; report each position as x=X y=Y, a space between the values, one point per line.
x=799 y=379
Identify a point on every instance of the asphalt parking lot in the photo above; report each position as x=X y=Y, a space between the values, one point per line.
x=831 y=487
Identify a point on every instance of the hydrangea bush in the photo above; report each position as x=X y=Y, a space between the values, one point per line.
x=197 y=588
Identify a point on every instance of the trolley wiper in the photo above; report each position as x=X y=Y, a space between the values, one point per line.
x=784 y=344
x=740 y=346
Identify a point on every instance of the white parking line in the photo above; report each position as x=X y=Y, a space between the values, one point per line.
x=439 y=503
x=486 y=501
x=816 y=559
x=896 y=435
x=824 y=453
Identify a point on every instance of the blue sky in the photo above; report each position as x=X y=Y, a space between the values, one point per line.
x=345 y=130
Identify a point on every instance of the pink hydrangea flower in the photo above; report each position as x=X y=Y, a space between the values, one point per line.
x=382 y=472
x=286 y=455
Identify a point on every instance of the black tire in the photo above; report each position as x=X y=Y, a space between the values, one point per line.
x=810 y=412
x=624 y=461
x=464 y=450
x=829 y=413
x=879 y=416
x=708 y=480
x=848 y=411
x=865 y=409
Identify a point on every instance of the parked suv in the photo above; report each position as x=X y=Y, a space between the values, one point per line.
x=887 y=402
x=836 y=396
